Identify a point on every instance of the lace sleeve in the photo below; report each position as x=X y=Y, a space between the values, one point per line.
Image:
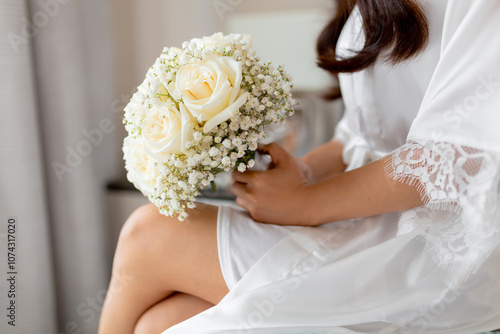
x=460 y=221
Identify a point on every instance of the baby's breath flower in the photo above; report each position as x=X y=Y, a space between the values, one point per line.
x=214 y=151
x=197 y=136
x=237 y=142
x=242 y=167
x=234 y=126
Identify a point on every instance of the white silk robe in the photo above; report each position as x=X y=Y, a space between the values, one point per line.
x=433 y=269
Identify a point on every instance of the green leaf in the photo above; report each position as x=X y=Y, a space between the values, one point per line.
x=214 y=186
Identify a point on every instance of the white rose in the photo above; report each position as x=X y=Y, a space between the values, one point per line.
x=218 y=40
x=141 y=169
x=166 y=130
x=210 y=89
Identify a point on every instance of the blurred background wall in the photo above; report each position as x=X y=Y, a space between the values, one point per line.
x=67 y=69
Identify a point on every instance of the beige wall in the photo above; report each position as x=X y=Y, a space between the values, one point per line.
x=141 y=28
x=280 y=5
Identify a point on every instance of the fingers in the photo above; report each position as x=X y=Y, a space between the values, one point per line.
x=242 y=198
x=238 y=189
x=278 y=154
x=244 y=177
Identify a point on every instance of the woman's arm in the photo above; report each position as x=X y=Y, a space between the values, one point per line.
x=283 y=195
x=324 y=162
x=363 y=192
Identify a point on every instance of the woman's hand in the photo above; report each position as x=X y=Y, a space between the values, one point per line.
x=283 y=195
x=278 y=195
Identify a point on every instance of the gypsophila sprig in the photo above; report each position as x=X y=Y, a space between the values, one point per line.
x=201 y=110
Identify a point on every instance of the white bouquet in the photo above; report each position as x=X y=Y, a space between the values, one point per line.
x=201 y=110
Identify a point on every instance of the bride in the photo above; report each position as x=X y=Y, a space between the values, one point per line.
x=392 y=227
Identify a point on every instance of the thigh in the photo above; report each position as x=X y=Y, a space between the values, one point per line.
x=182 y=256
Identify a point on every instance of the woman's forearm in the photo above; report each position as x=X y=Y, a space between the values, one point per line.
x=283 y=195
x=363 y=192
x=324 y=162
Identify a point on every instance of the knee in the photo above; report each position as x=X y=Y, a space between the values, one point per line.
x=138 y=223
x=143 y=231
x=145 y=325
x=152 y=321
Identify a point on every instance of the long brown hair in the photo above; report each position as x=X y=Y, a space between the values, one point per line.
x=397 y=26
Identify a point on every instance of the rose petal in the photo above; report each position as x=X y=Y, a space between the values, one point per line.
x=187 y=132
x=237 y=78
x=227 y=113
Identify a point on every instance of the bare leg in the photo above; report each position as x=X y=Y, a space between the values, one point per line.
x=159 y=255
x=169 y=312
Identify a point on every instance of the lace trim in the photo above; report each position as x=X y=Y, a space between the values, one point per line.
x=460 y=221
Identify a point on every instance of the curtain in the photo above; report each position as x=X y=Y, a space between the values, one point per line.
x=58 y=131
x=30 y=291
